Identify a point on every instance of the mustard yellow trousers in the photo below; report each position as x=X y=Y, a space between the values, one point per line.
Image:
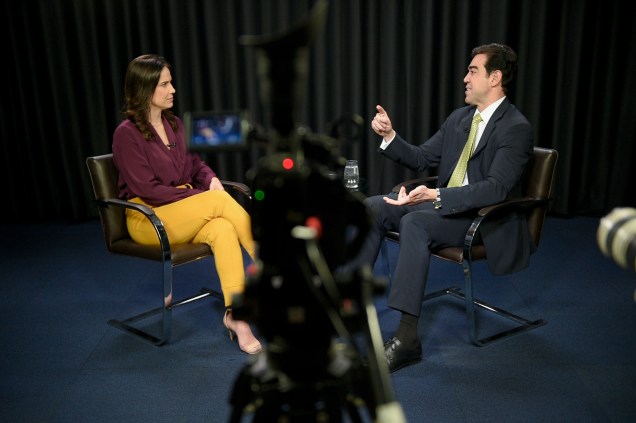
x=211 y=217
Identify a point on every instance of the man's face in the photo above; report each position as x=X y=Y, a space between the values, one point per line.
x=477 y=81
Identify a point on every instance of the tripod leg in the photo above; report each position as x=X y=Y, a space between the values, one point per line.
x=382 y=390
x=240 y=396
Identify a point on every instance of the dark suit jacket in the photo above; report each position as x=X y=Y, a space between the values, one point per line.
x=494 y=174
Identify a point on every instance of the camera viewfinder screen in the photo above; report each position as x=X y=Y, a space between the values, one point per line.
x=215 y=130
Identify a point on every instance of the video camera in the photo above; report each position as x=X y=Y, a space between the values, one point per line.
x=306 y=224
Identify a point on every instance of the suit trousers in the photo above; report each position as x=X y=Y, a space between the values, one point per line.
x=210 y=217
x=422 y=228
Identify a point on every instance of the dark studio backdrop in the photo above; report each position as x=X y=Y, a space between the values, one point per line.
x=64 y=63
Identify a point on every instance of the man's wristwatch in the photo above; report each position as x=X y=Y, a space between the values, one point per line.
x=438 y=201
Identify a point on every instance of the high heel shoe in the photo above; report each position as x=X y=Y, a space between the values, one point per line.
x=249 y=344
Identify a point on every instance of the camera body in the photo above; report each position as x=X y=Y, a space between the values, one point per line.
x=301 y=205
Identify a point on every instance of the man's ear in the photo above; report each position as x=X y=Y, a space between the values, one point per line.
x=495 y=78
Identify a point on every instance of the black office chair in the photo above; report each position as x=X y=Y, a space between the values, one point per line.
x=536 y=187
x=104 y=177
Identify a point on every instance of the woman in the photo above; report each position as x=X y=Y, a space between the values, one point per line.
x=156 y=169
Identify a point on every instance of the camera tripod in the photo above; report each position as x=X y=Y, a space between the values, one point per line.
x=312 y=369
x=320 y=378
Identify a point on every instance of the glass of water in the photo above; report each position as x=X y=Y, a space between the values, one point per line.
x=351 y=175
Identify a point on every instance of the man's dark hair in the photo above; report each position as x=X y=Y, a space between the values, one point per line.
x=499 y=57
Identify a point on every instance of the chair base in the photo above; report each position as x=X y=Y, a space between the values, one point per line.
x=523 y=325
x=126 y=324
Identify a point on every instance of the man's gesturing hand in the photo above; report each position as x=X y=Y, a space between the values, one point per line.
x=381 y=124
x=416 y=196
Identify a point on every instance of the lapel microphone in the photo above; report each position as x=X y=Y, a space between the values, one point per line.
x=172 y=145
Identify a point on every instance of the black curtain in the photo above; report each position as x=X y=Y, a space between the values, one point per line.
x=65 y=62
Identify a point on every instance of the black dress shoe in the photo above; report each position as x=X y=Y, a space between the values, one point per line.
x=397 y=356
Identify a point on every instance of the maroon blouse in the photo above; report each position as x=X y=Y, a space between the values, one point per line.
x=150 y=170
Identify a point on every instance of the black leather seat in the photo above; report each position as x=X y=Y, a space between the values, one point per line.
x=104 y=177
x=536 y=187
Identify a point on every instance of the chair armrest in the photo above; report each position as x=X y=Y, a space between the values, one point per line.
x=238 y=187
x=126 y=205
x=150 y=215
x=426 y=180
x=525 y=205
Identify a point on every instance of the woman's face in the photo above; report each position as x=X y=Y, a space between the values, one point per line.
x=163 y=97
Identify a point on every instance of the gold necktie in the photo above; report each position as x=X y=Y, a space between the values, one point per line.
x=457 y=178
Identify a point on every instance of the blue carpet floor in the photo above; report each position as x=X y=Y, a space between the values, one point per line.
x=61 y=362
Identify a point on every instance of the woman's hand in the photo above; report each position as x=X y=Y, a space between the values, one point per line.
x=216 y=184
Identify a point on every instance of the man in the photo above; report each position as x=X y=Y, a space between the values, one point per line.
x=501 y=141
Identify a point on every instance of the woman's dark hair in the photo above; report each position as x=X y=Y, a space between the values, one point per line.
x=499 y=57
x=142 y=77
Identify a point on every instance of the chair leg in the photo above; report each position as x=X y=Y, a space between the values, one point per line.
x=472 y=304
x=166 y=310
x=384 y=252
x=522 y=324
